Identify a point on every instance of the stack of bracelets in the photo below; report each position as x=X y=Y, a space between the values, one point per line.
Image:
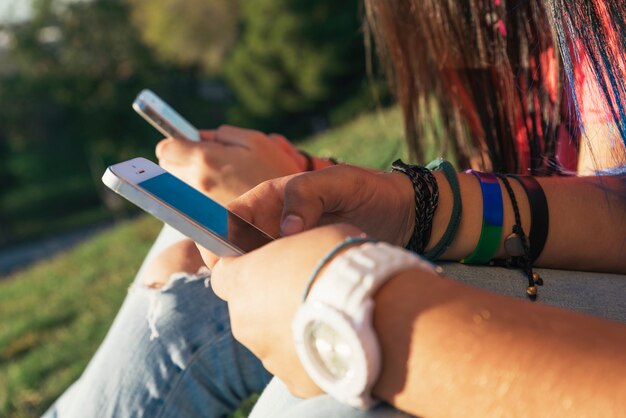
x=521 y=248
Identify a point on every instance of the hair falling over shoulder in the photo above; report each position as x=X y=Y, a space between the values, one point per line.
x=493 y=80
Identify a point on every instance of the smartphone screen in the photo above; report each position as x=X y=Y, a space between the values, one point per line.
x=205 y=211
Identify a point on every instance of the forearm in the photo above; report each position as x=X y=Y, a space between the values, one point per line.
x=452 y=350
x=587 y=220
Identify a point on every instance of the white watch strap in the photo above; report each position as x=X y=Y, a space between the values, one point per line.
x=354 y=276
x=342 y=298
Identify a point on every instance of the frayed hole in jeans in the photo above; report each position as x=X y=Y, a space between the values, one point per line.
x=176 y=279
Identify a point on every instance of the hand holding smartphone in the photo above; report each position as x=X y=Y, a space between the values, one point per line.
x=176 y=203
x=165 y=119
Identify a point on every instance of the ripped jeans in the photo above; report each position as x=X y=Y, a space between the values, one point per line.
x=170 y=353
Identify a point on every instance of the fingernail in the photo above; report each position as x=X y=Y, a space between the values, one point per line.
x=292 y=224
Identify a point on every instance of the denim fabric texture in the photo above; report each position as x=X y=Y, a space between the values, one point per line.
x=195 y=368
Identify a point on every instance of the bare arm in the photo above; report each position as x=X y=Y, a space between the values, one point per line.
x=587 y=221
x=451 y=350
x=587 y=215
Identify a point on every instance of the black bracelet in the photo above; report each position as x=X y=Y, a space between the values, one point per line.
x=517 y=247
x=426 y=201
x=309 y=160
x=310 y=165
x=539 y=214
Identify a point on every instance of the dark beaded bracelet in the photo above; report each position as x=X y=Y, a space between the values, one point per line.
x=516 y=245
x=539 y=214
x=310 y=166
x=426 y=201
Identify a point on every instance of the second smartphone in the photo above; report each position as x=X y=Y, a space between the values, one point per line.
x=176 y=203
x=165 y=119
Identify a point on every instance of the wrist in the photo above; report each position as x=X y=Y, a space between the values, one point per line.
x=443 y=213
x=319 y=163
x=468 y=233
x=404 y=189
x=398 y=305
x=350 y=241
x=333 y=328
x=470 y=225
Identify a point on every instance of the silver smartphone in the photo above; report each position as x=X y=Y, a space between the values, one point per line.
x=176 y=203
x=165 y=119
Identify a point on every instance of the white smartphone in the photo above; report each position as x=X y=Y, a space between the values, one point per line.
x=165 y=119
x=176 y=203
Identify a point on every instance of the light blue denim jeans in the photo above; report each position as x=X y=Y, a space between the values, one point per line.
x=171 y=353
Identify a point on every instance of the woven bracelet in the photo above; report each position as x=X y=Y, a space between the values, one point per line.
x=426 y=201
x=457 y=208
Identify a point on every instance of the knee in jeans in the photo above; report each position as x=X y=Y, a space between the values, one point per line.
x=173 y=295
x=178 y=259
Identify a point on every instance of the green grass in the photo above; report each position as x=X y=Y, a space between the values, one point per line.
x=372 y=140
x=54 y=315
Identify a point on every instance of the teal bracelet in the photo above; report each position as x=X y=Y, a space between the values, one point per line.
x=345 y=243
x=493 y=213
x=457 y=208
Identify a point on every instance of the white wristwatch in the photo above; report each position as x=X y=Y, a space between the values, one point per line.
x=333 y=328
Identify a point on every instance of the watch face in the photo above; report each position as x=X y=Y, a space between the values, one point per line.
x=329 y=349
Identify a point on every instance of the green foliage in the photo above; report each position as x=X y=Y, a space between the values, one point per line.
x=65 y=109
x=188 y=32
x=74 y=68
x=296 y=60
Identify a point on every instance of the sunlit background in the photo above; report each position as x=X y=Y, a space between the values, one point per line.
x=69 y=71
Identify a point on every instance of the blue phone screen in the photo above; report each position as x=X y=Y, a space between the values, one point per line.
x=205 y=211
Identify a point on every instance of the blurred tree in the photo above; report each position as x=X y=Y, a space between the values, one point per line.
x=6 y=182
x=188 y=32
x=76 y=66
x=66 y=108
x=296 y=61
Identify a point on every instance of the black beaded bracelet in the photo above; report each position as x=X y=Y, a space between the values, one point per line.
x=426 y=201
x=516 y=245
x=310 y=166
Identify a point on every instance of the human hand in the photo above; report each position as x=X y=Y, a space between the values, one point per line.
x=264 y=290
x=380 y=203
x=229 y=161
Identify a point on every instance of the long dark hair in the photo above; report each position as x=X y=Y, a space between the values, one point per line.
x=600 y=28
x=486 y=77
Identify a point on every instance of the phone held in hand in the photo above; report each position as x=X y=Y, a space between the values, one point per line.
x=176 y=203
x=165 y=119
